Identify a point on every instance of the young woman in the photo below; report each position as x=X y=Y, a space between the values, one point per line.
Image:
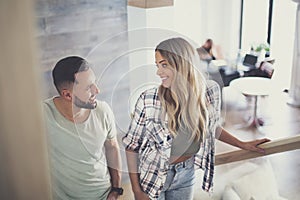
x=174 y=127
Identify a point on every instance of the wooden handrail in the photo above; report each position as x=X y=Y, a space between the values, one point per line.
x=276 y=146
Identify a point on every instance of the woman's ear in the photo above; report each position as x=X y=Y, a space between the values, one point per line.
x=66 y=94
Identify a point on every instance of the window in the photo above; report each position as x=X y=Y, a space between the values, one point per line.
x=255 y=23
x=255 y=18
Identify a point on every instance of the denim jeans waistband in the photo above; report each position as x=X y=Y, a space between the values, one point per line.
x=183 y=164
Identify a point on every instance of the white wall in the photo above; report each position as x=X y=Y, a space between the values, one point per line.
x=282 y=44
x=196 y=20
x=187 y=19
x=215 y=19
x=146 y=28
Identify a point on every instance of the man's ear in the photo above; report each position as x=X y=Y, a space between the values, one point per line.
x=66 y=94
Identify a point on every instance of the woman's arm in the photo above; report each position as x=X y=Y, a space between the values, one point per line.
x=132 y=163
x=226 y=137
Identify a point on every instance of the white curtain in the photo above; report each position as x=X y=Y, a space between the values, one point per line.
x=294 y=92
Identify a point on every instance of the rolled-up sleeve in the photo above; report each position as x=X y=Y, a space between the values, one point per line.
x=213 y=95
x=133 y=138
x=217 y=109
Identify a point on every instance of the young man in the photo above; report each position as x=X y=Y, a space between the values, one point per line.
x=83 y=149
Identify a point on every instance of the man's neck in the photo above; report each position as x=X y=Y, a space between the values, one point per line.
x=70 y=111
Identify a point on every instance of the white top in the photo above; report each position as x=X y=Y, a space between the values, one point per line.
x=77 y=160
x=253 y=86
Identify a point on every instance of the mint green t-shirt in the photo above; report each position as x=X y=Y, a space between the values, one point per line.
x=77 y=157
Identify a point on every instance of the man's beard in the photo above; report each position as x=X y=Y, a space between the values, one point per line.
x=81 y=104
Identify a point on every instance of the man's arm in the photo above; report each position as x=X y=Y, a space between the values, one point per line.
x=113 y=161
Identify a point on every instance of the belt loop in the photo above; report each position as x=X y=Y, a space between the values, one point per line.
x=183 y=164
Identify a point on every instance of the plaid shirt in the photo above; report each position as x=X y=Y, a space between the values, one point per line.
x=150 y=138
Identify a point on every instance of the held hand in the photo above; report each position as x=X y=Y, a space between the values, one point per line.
x=253 y=145
x=112 y=196
x=141 y=195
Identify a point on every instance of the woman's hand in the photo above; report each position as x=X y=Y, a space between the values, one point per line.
x=140 y=195
x=226 y=137
x=113 y=196
x=253 y=145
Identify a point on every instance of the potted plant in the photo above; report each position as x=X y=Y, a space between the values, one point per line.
x=262 y=47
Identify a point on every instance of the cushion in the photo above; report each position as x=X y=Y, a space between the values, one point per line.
x=223 y=175
x=252 y=179
x=257 y=185
x=230 y=194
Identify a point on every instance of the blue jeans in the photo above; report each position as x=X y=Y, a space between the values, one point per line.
x=180 y=181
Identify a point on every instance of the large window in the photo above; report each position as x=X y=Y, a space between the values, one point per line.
x=256 y=19
x=255 y=22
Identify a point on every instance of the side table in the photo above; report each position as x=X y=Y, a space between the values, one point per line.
x=253 y=87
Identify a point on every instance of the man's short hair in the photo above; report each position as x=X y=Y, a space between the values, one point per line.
x=65 y=69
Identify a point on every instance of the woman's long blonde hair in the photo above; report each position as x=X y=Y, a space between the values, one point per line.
x=184 y=102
